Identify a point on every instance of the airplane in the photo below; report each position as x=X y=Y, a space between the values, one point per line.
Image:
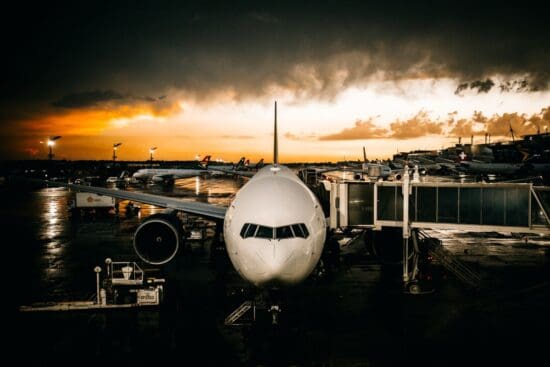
x=380 y=170
x=373 y=171
x=274 y=229
x=243 y=168
x=223 y=169
x=168 y=175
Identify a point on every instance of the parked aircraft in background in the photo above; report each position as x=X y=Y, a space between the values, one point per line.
x=243 y=168
x=168 y=175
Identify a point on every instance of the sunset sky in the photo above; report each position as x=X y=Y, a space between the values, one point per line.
x=201 y=78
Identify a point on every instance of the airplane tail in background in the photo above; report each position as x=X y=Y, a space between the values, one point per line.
x=260 y=164
x=247 y=163
x=240 y=164
x=365 y=156
x=204 y=163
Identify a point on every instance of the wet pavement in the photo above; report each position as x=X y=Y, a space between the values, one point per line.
x=353 y=313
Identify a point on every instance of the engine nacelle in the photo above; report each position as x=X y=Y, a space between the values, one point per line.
x=158 y=238
x=163 y=180
x=394 y=177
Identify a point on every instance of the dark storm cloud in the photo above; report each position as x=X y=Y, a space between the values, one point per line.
x=103 y=99
x=88 y=99
x=482 y=86
x=250 y=49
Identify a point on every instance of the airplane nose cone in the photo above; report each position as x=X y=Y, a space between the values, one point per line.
x=279 y=265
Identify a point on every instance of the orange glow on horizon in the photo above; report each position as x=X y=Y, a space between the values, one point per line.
x=377 y=117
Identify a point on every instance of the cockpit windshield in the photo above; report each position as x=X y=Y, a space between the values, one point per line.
x=277 y=233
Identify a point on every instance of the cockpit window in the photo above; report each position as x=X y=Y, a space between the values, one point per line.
x=283 y=232
x=304 y=229
x=243 y=230
x=290 y=231
x=248 y=230
x=264 y=232
x=300 y=230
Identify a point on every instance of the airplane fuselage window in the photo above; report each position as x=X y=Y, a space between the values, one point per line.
x=290 y=231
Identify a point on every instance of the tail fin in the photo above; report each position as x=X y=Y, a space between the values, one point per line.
x=364 y=155
x=260 y=164
x=275 y=140
x=247 y=163
x=205 y=161
x=240 y=164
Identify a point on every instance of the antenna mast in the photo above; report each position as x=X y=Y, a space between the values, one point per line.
x=275 y=141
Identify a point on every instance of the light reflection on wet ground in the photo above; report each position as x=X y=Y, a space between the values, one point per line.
x=356 y=315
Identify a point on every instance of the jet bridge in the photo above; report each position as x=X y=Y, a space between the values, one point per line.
x=474 y=207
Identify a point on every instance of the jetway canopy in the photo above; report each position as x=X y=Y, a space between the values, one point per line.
x=468 y=206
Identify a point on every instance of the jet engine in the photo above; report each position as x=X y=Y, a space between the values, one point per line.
x=163 y=180
x=394 y=177
x=158 y=238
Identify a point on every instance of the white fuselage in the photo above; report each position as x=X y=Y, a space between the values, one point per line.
x=152 y=173
x=275 y=198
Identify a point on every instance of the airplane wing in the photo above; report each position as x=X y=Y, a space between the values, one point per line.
x=233 y=172
x=191 y=207
x=244 y=173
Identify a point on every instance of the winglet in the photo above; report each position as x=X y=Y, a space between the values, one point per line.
x=275 y=140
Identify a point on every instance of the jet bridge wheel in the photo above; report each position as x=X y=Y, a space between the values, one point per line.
x=158 y=238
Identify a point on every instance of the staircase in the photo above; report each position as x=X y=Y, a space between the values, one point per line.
x=238 y=313
x=450 y=262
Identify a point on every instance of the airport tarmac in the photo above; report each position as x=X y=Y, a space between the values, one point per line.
x=354 y=314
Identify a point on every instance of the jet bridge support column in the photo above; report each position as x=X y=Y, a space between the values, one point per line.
x=406 y=229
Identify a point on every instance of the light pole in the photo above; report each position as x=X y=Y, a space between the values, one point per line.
x=115 y=146
x=151 y=150
x=97 y=270
x=51 y=143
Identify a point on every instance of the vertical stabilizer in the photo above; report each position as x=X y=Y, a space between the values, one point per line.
x=275 y=140
x=364 y=155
